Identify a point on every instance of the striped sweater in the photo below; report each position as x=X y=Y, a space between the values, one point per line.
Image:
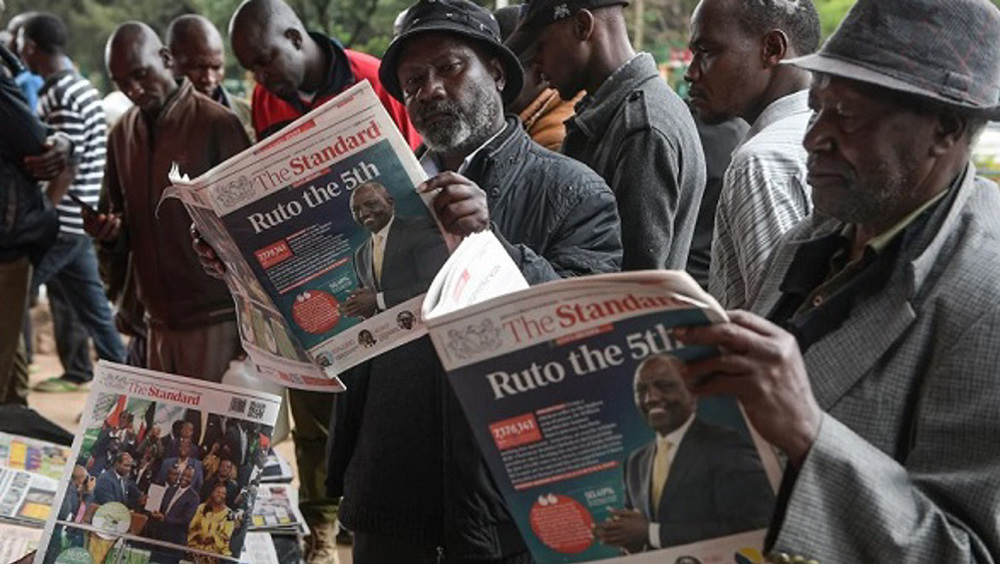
x=68 y=103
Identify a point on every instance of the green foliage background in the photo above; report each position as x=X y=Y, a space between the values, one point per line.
x=365 y=25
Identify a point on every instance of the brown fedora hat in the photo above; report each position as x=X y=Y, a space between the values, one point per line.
x=944 y=50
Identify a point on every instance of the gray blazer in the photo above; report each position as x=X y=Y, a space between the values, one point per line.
x=906 y=467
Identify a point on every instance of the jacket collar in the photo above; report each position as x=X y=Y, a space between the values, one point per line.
x=595 y=112
x=836 y=361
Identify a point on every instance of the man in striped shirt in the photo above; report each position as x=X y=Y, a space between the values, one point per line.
x=70 y=104
x=737 y=71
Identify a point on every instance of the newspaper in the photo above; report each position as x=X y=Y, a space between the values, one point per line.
x=573 y=391
x=33 y=455
x=198 y=445
x=276 y=469
x=277 y=511
x=259 y=549
x=327 y=244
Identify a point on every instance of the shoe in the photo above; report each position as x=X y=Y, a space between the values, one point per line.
x=322 y=546
x=344 y=536
x=59 y=385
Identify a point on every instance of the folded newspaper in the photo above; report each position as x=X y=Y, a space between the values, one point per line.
x=573 y=391
x=162 y=469
x=327 y=245
x=29 y=477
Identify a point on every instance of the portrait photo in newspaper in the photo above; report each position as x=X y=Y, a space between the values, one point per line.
x=164 y=469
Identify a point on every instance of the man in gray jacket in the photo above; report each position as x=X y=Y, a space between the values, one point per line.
x=876 y=370
x=631 y=128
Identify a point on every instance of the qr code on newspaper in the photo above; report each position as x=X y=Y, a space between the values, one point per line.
x=257 y=409
x=238 y=405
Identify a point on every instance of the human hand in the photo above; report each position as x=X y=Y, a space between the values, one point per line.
x=102 y=226
x=760 y=364
x=460 y=203
x=210 y=261
x=52 y=161
x=157 y=515
x=361 y=303
x=625 y=528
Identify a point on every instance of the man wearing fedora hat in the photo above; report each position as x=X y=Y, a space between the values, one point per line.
x=414 y=485
x=631 y=127
x=876 y=368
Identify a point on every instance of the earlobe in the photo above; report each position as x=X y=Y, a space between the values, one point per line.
x=949 y=131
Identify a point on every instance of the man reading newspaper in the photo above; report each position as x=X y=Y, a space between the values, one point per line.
x=876 y=370
x=554 y=217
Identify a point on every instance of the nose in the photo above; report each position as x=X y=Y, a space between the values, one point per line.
x=693 y=71
x=132 y=90
x=432 y=88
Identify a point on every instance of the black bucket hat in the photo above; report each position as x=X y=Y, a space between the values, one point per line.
x=457 y=17
x=945 y=50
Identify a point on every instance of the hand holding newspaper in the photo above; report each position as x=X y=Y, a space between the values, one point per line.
x=573 y=391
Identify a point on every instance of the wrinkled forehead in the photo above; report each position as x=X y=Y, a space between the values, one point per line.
x=252 y=38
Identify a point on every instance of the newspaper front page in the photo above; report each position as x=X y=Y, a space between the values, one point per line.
x=327 y=244
x=163 y=469
x=29 y=477
x=573 y=391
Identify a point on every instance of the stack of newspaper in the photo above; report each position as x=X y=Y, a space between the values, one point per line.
x=277 y=511
x=276 y=469
x=29 y=476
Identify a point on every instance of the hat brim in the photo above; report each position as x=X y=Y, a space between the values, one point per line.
x=523 y=37
x=835 y=66
x=513 y=73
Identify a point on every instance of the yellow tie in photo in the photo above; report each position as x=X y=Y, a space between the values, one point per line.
x=377 y=257
x=660 y=469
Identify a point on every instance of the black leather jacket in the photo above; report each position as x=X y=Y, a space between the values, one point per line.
x=403 y=454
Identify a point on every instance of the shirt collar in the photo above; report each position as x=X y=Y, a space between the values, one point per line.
x=384 y=232
x=786 y=106
x=677 y=435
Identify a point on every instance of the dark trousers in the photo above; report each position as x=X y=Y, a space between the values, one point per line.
x=73 y=260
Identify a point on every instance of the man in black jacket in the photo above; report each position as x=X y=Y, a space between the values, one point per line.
x=419 y=491
x=27 y=226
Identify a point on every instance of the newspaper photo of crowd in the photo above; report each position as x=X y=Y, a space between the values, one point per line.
x=166 y=473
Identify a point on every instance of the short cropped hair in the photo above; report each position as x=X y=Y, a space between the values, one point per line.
x=48 y=32
x=797 y=18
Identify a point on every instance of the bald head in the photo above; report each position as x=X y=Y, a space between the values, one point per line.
x=198 y=53
x=140 y=66
x=270 y=41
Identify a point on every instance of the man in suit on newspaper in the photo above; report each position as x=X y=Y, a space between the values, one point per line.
x=400 y=258
x=116 y=485
x=176 y=510
x=694 y=481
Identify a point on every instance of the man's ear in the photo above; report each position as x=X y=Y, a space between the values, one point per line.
x=294 y=36
x=498 y=74
x=950 y=129
x=583 y=24
x=167 y=57
x=774 y=47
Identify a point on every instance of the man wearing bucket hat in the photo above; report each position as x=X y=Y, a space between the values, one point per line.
x=876 y=370
x=403 y=456
x=631 y=128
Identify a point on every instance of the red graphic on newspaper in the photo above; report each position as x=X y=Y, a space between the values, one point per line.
x=516 y=431
x=562 y=524
x=316 y=312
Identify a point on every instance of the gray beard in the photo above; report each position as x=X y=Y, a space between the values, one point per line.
x=467 y=129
